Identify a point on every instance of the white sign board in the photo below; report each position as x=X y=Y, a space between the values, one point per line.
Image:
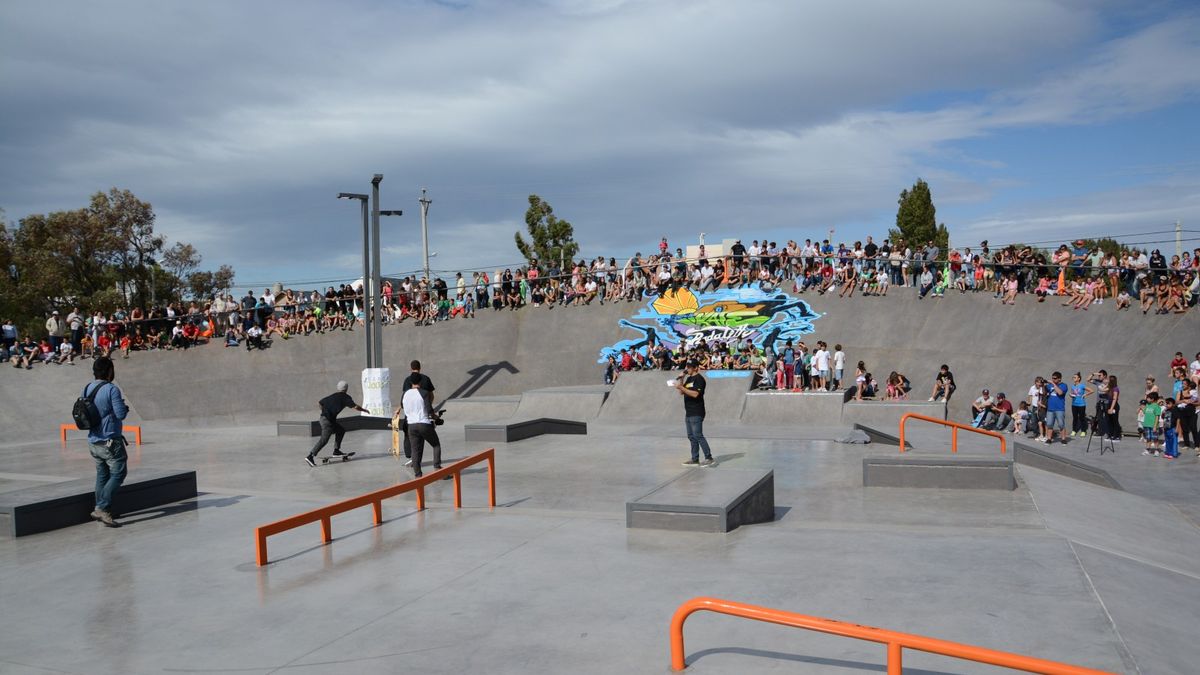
x=377 y=392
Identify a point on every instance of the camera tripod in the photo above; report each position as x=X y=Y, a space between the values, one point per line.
x=1093 y=425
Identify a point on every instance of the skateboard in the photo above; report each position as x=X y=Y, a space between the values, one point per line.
x=345 y=457
x=396 y=444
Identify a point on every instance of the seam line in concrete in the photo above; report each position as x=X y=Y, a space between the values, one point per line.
x=422 y=596
x=1126 y=654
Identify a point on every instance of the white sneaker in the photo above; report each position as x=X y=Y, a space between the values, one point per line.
x=408 y=463
x=931 y=399
x=1147 y=453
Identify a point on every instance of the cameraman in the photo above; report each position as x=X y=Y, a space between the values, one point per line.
x=426 y=386
x=418 y=411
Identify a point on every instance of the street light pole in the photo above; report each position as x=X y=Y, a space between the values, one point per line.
x=366 y=264
x=376 y=326
x=425 y=202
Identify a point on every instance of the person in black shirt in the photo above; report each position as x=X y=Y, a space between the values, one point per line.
x=331 y=405
x=426 y=387
x=737 y=251
x=691 y=386
x=943 y=385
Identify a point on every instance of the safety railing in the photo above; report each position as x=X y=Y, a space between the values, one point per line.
x=896 y=642
x=136 y=430
x=954 y=427
x=375 y=499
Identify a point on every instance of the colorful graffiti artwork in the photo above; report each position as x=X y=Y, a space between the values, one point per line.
x=727 y=316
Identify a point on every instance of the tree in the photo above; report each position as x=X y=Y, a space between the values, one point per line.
x=121 y=212
x=550 y=239
x=916 y=219
x=180 y=261
x=223 y=279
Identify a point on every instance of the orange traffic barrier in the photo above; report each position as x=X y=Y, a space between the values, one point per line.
x=375 y=499
x=896 y=642
x=137 y=432
x=954 y=427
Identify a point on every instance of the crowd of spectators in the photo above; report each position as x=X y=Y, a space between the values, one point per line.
x=1165 y=421
x=1077 y=276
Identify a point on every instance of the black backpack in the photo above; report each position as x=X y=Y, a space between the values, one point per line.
x=85 y=412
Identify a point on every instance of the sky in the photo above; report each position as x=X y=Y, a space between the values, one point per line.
x=1031 y=120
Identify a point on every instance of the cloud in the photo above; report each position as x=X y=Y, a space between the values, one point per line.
x=241 y=121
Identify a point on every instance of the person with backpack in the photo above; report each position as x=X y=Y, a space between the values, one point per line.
x=104 y=409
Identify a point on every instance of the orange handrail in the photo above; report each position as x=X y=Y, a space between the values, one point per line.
x=137 y=432
x=375 y=499
x=896 y=642
x=954 y=426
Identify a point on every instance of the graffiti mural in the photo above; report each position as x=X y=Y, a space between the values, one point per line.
x=725 y=317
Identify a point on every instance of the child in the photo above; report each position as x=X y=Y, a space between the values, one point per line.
x=1021 y=419
x=1170 y=437
x=86 y=346
x=1151 y=414
x=1123 y=300
x=839 y=363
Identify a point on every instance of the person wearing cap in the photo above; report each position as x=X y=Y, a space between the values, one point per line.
x=980 y=408
x=1000 y=415
x=417 y=405
x=56 y=328
x=330 y=406
x=1056 y=408
x=691 y=386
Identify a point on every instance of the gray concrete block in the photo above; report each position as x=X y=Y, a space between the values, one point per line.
x=885 y=415
x=351 y=423
x=786 y=407
x=706 y=500
x=1042 y=458
x=938 y=471
x=57 y=505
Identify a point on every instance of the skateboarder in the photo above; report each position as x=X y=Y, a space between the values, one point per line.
x=691 y=386
x=331 y=405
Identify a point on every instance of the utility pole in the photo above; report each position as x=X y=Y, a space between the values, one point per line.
x=425 y=202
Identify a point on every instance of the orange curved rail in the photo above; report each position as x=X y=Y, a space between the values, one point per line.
x=954 y=427
x=137 y=432
x=375 y=499
x=896 y=642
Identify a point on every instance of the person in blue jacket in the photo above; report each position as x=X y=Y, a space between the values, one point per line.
x=107 y=443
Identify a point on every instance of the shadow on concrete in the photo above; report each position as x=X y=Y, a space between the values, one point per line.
x=804 y=658
x=780 y=512
x=479 y=376
x=136 y=517
x=721 y=459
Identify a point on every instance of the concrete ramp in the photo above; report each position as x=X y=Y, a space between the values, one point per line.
x=579 y=403
x=641 y=397
x=818 y=409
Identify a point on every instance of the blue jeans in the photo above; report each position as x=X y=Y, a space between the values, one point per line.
x=695 y=434
x=110 y=470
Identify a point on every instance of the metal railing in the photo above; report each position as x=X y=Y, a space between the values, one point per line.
x=137 y=432
x=375 y=499
x=896 y=642
x=954 y=427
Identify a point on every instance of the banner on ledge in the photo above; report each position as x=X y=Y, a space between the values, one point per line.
x=377 y=392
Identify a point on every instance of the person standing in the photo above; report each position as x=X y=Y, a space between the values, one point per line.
x=1056 y=409
x=55 y=328
x=426 y=385
x=330 y=406
x=75 y=323
x=691 y=386
x=418 y=411
x=107 y=443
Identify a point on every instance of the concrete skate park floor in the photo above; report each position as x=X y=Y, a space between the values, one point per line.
x=551 y=580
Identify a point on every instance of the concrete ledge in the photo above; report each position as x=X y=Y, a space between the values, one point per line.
x=706 y=500
x=352 y=423
x=481 y=408
x=793 y=407
x=881 y=437
x=509 y=432
x=57 y=505
x=938 y=471
x=1042 y=458
x=886 y=415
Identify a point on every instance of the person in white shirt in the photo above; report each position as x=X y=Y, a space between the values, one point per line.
x=821 y=359
x=419 y=414
x=839 y=366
